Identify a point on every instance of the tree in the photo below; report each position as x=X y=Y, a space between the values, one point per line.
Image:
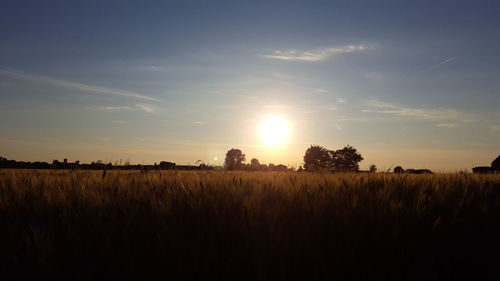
x=254 y=164
x=373 y=168
x=234 y=159
x=495 y=165
x=346 y=159
x=317 y=158
x=399 y=170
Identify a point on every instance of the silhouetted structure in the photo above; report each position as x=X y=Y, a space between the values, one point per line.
x=164 y=165
x=483 y=170
x=495 y=165
x=493 y=169
x=97 y=165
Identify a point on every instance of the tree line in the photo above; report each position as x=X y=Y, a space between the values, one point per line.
x=235 y=159
x=316 y=159
x=346 y=159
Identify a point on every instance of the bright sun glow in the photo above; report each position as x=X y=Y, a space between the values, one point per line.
x=274 y=131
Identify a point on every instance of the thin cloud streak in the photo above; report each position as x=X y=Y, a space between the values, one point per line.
x=78 y=86
x=446 y=125
x=116 y=108
x=443 y=62
x=376 y=106
x=148 y=108
x=315 y=55
x=152 y=68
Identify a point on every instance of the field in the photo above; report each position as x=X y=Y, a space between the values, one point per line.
x=128 y=225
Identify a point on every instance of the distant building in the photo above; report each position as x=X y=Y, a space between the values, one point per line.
x=493 y=169
x=483 y=170
x=167 y=165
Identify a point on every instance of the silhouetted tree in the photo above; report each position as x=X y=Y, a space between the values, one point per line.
x=317 y=158
x=254 y=164
x=399 y=170
x=280 y=168
x=234 y=159
x=373 y=168
x=346 y=159
x=418 y=171
x=495 y=165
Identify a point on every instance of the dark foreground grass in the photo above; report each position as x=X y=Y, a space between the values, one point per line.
x=248 y=226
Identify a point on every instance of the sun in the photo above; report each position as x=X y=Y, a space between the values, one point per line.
x=274 y=131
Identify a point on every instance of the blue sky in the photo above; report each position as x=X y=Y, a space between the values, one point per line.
x=411 y=83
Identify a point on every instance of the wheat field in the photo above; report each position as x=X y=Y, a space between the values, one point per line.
x=194 y=225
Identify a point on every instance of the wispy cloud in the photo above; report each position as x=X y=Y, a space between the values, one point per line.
x=148 y=108
x=341 y=100
x=152 y=68
x=443 y=62
x=314 y=55
x=319 y=90
x=446 y=125
x=116 y=108
x=495 y=128
x=78 y=86
x=392 y=109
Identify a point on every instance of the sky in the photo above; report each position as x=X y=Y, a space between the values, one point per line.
x=410 y=83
